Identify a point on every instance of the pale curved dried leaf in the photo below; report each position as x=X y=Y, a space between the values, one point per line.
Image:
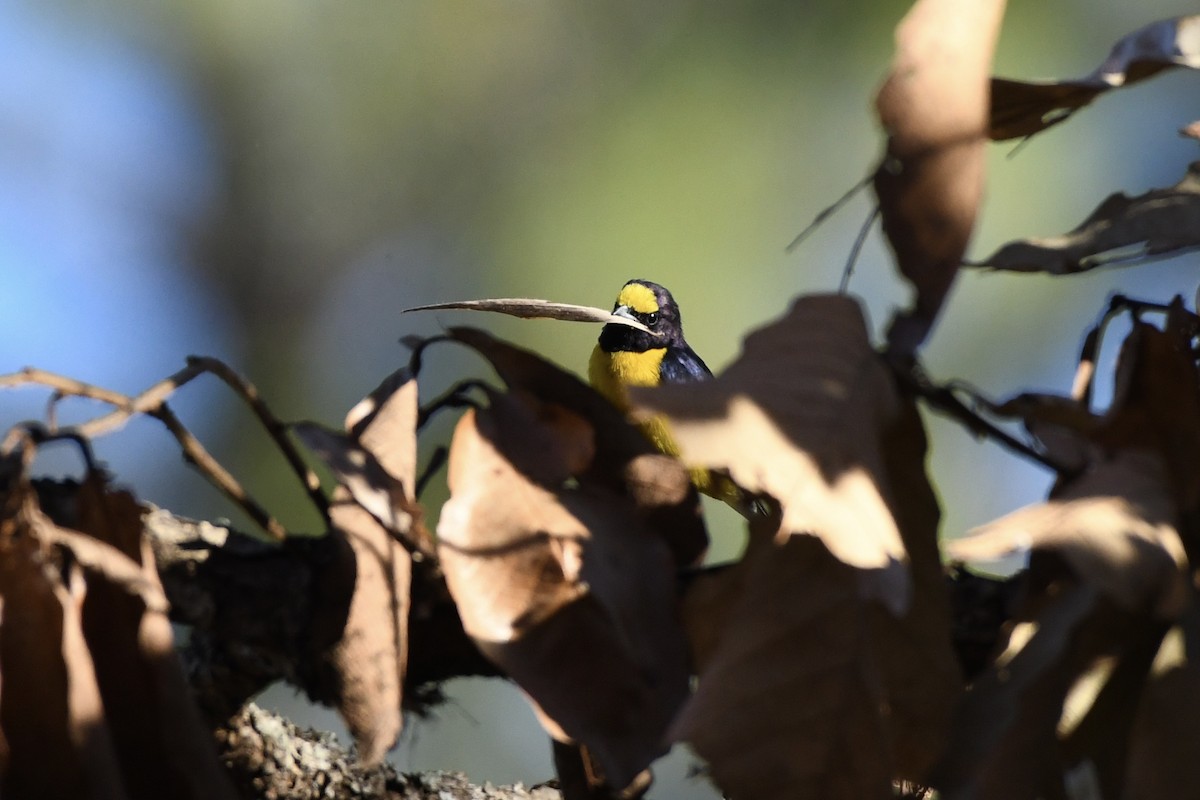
x=372 y=486
x=370 y=658
x=532 y=308
x=1115 y=526
x=384 y=423
x=1023 y=108
x=1122 y=229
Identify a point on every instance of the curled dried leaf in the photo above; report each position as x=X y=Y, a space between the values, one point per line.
x=616 y=455
x=1023 y=108
x=1122 y=229
x=369 y=483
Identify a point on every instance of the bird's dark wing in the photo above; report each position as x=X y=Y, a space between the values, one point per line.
x=682 y=365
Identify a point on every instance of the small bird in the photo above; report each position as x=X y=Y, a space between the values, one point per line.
x=626 y=357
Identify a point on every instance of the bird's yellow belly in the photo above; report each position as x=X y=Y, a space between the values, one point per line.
x=611 y=373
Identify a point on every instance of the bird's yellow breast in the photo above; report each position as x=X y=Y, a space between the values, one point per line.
x=611 y=373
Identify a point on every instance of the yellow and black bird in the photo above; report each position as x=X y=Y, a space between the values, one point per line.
x=626 y=357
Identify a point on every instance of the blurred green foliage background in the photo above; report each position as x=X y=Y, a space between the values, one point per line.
x=273 y=181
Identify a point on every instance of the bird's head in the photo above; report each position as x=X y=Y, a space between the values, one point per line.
x=651 y=305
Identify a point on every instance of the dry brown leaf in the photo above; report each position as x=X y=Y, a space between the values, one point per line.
x=385 y=424
x=376 y=460
x=565 y=587
x=1108 y=571
x=531 y=308
x=1160 y=222
x=808 y=686
x=1021 y=108
x=934 y=108
x=1058 y=703
x=162 y=743
x=1056 y=706
x=787 y=706
x=367 y=585
x=1004 y=745
x=370 y=657
x=50 y=710
x=1115 y=528
x=371 y=486
x=1156 y=402
x=1162 y=760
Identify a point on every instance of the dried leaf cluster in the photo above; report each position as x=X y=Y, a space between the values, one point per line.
x=827 y=662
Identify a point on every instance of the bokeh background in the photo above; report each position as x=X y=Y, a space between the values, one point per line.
x=272 y=182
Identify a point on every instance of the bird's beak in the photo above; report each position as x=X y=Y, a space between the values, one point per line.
x=624 y=311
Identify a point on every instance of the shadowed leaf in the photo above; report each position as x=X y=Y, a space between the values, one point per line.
x=1109 y=573
x=1162 y=762
x=933 y=108
x=797 y=417
x=162 y=742
x=825 y=665
x=376 y=462
x=564 y=587
x=58 y=744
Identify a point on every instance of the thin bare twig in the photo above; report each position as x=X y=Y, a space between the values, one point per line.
x=945 y=400
x=275 y=429
x=829 y=212
x=439 y=457
x=195 y=453
x=454 y=397
x=153 y=403
x=857 y=249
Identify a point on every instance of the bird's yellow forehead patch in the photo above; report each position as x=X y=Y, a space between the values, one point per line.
x=638 y=297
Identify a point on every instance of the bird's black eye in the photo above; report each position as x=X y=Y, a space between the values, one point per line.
x=652 y=318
